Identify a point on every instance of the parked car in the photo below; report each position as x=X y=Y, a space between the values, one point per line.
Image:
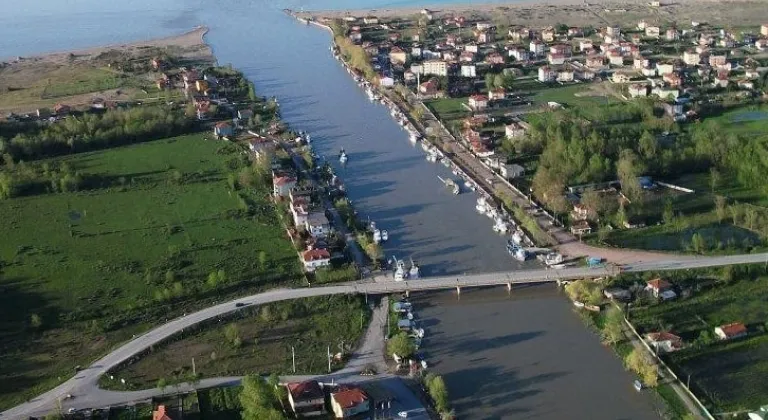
x=638 y=385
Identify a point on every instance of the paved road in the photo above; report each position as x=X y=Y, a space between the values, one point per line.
x=85 y=381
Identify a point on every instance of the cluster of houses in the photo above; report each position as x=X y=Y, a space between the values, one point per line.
x=664 y=341
x=308 y=399
x=308 y=218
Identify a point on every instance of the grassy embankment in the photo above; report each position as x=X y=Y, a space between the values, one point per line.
x=83 y=271
x=256 y=340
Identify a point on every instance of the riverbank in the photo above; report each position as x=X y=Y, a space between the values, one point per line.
x=576 y=12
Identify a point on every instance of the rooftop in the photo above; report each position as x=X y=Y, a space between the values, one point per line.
x=308 y=390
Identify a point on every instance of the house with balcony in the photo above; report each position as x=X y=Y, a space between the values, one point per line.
x=349 y=402
x=307 y=399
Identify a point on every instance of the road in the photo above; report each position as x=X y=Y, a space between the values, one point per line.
x=85 y=382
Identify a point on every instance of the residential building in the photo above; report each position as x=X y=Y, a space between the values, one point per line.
x=497 y=94
x=371 y=20
x=717 y=60
x=451 y=55
x=691 y=58
x=511 y=171
x=640 y=63
x=581 y=228
x=672 y=79
x=660 y=288
x=721 y=80
x=416 y=52
x=621 y=77
x=615 y=58
x=548 y=34
x=547 y=74
x=664 y=92
x=565 y=75
x=317 y=225
x=306 y=398
x=161 y=413
x=642 y=25
x=429 y=88
x=513 y=130
x=519 y=34
x=520 y=54
x=652 y=31
x=585 y=74
x=468 y=70
x=580 y=212
x=664 y=342
x=563 y=49
x=478 y=102
x=585 y=45
x=300 y=206
x=648 y=71
x=672 y=34
x=223 y=129
x=731 y=331
x=664 y=68
x=315 y=258
x=483 y=26
x=638 y=90
x=485 y=37
x=761 y=44
x=260 y=146
x=398 y=56
x=452 y=40
x=471 y=47
x=555 y=59
x=764 y=29
x=595 y=61
x=283 y=184
x=349 y=402
x=537 y=47
x=494 y=58
x=574 y=31
x=436 y=67
x=751 y=74
x=613 y=31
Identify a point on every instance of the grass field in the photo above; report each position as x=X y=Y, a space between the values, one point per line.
x=84 y=271
x=447 y=109
x=748 y=121
x=580 y=95
x=731 y=375
x=261 y=343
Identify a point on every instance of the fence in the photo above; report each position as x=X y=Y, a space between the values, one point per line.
x=669 y=371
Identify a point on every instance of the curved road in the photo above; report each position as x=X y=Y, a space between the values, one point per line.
x=85 y=384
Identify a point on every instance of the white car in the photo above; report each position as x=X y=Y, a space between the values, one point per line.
x=403 y=414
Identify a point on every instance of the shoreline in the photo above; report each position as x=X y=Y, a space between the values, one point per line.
x=190 y=39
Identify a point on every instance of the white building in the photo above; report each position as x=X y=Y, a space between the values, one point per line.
x=349 y=402
x=537 y=47
x=691 y=58
x=436 y=67
x=315 y=258
x=468 y=70
x=547 y=74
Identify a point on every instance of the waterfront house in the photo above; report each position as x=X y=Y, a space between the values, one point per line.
x=664 y=342
x=478 y=102
x=299 y=207
x=731 y=331
x=660 y=289
x=355 y=36
x=161 y=413
x=315 y=258
x=223 y=129
x=581 y=228
x=282 y=184
x=306 y=398
x=260 y=146
x=317 y=225
x=349 y=402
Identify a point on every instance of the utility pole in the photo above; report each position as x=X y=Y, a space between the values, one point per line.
x=194 y=372
x=293 y=358
x=329 y=359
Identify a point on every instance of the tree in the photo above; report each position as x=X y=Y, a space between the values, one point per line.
x=714 y=178
x=628 y=170
x=698 y=243
x=721 y=209
x=232 y=334
x=401 y=345
x=613 y=329
x=162 y=383
x=490 y=79
x=585 y=291
x=258 y=400
x=669 y=213
x=36 y=321
x=280 y=392
x=438 y=391
x=602 y=232
x=648 y=145
x=641 y=363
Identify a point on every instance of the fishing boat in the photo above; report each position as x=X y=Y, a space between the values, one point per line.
x=400 y=271
x=446 y=163
x=371 y=95
x=376 y=236
x=425 y=146
x=413 y=137
x=481 y=205
x=384 y=236
x=517 y=237
x=451 y=184
x=516 y=251
x=431 y=157
x=413 y=273
x=500 y=226
x=343 y=156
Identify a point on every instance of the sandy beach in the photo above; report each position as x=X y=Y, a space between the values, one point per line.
x=734 y=13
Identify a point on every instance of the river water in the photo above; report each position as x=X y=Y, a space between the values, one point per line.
x=387 y=178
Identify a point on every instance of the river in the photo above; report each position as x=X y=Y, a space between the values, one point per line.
x=387 y=178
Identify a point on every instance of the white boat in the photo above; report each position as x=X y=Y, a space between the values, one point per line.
x=517 y=237
x=481 y=205
x=468 y=184
x=371 y=95
x=501 y=226
x=425 y=146
x=413 y=137
x=451 y=184
x=413 y=273
x=446 y=163
x=384 y=236
x=553 y=258
x=521 y=254
x=343 y=158
x=376 y=236
x=431 y=157
x=400 y=273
